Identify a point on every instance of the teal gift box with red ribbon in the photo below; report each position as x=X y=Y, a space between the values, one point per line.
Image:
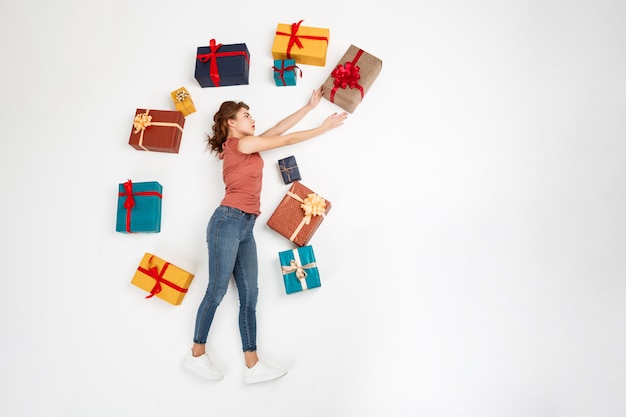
x=219 y=65
x=299 y=269
x=351 y=78
x=286 y=72
x=139 y=207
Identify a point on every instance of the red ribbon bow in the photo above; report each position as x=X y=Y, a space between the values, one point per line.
x=213 y=55
x=154 y=272
x=284 y=69
x=295 y=39
x=129 y=203
x=347 y=76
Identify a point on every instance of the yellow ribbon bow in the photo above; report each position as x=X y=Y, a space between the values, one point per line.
x=297 y=268
x=142 y=121
x=313 y=205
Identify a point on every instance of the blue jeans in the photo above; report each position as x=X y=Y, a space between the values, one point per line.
x=232 y=252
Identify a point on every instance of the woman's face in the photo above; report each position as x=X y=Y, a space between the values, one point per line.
x=243 y=124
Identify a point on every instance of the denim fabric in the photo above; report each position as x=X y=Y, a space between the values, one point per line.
x=232 y=252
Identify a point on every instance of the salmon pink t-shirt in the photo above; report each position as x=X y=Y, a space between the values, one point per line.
x=243 y=175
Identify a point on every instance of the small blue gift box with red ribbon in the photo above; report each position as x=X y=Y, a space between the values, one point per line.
x=289 y=169
x=220 y=65
x=299 y=268
x=285 y=72
x=139 y=207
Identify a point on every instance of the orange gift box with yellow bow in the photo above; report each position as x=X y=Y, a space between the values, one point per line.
x=162 y=279
x=305 y=44
x=157 y=130
x=182 y=101
x=299 y=214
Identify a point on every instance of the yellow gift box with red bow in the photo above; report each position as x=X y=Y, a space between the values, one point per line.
x=305 y=44
x=162 y=279
x=183 y=102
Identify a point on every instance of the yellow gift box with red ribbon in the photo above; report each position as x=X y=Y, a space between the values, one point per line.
x=299 y=214
x=305 y=44
x=162 y=279
x=183 y=102
x=351 y=79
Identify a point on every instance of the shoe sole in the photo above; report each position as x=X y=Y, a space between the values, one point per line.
x=203 y=375
x=264 y=378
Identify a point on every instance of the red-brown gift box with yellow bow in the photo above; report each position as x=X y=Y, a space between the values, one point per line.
x=351 y=78
x=162 y=279
x=299 y=214
x=157 y=130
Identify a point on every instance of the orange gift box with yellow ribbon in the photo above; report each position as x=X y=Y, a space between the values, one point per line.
x=305 y=44
x=182 y=101
x=299 y=214
x=157 y=130
x=162 y=279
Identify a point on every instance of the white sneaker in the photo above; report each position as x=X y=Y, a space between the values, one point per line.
x=262 y=372
x=203 y=366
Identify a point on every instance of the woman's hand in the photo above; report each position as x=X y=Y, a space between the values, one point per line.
x=316 y=96
x=334 y=120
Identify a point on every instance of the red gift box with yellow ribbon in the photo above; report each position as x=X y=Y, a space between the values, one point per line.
x=351 y=78
x=299 y=214
x=162 y=279
x=157 y=130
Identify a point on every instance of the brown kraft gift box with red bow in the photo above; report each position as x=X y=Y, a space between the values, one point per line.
x=351 y=78
x=299 y=214
x=157 y=130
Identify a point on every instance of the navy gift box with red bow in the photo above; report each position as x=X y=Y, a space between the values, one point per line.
x=220 y=65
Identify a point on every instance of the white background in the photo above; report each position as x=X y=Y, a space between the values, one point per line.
x=472 y=263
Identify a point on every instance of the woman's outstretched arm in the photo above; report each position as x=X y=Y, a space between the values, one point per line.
x=276 y=137
x=291 y=120
x=252 y=144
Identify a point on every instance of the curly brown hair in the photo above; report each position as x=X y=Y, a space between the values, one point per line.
x=227 y=111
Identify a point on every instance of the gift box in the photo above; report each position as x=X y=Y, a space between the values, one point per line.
x=305 y=44
x=285 y=72
x=289 y=169
x=162 y=279
x=157 y=130
x=352 y=78
x=183 y=102
x=299 y=214
x=139 y=207
x=220 y=65
x=299 y=269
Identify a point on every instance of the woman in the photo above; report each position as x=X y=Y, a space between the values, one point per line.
x=230 y=239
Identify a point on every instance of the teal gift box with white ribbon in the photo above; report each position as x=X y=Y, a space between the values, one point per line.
x=299 y=269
